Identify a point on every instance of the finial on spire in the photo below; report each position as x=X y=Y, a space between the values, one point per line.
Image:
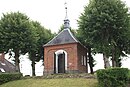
x=66 y=10
x=66 y=21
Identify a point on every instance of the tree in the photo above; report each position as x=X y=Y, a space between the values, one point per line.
x=16 y=34
x=104 y=25
x=89 y=46
x=2 y=45
x=40 y=37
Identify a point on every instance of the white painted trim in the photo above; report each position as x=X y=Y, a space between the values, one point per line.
x=57 y=53
x=72 y=36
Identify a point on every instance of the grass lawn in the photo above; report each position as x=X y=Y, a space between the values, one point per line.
x=61 y=82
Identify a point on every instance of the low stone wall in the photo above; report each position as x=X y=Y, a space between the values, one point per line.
x=76 y=75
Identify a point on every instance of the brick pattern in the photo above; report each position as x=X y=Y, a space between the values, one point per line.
x=74 y=52
x=82 y=51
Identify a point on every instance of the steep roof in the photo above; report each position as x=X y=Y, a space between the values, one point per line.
x=64 y=37
x=6 y=66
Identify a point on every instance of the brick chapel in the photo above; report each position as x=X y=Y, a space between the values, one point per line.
x=64 y=53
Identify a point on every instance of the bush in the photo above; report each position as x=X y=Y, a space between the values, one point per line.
x=6 y=77
x=113 y=77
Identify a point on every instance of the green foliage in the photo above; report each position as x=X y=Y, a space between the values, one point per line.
x=105 y=25
x=6 y=77
x=21 y=35
x=113 y=77
x=40 y=36
x=15 y=30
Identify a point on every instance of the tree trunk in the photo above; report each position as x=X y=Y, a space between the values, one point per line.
x=106 y=61
x=90 y=60
x=33 y=68
x=113 y=58
x=33 y=63
x=17 y=68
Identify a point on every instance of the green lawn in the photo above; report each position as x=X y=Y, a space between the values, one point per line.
x=62 y=82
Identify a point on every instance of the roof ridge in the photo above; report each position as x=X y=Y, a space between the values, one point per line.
x=54 y=37
x=72 y=35
x=65 y=36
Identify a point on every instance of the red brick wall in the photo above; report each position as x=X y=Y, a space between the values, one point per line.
x=73 y=54
x=82 y=51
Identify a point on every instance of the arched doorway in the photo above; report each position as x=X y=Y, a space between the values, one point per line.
x=60 y=61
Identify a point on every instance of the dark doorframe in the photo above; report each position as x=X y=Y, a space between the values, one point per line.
x=61 y=63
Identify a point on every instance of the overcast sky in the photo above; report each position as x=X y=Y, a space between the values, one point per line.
x=50 y=13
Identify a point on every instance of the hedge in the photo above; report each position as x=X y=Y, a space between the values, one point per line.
x=113 y=77
x=6 y=77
